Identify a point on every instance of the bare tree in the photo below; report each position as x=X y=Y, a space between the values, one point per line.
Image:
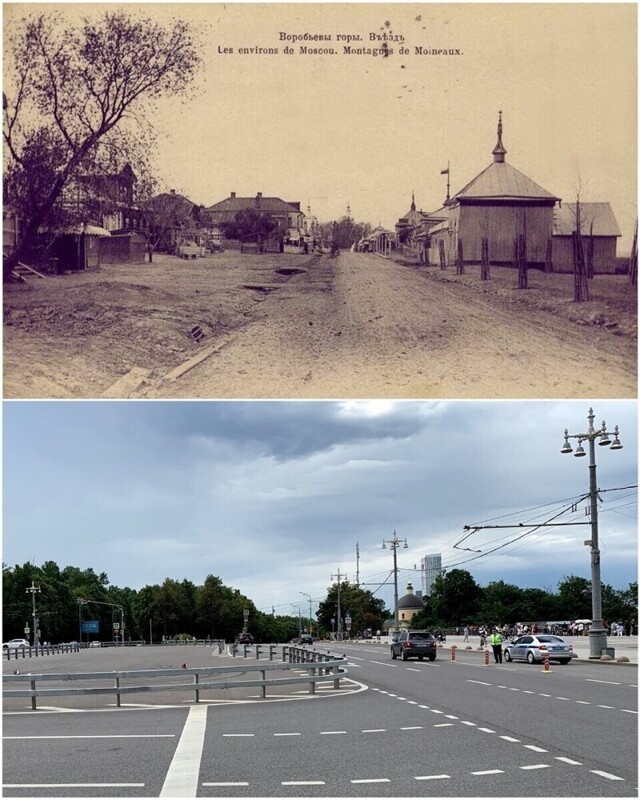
x=78 y=95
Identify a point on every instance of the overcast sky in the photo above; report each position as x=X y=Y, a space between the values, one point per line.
x=272 y=497
x=332 y=130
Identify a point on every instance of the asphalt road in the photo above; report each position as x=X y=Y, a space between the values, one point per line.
x=403 y=729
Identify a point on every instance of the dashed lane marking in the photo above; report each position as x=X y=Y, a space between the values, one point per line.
x=488 y=772
x=412 y=728
x=537 y=766
x=413 y=669
x=238 y=735
x=535 y=748
x=431 y=777
x=583 y=702
x=375 y=730
x=384 y=664
x=370 y=780
x=287 y=734
x=302 y=783
x=568 y=761
x=509 y=739
x=226 y=784
x=444 y=725
x=486 y=730
x=611 y=707
x=607 y=775
x=628 y=711
x=331 y=733
x=71 y=785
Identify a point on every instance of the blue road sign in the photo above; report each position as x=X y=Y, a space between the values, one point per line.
x=91 y=626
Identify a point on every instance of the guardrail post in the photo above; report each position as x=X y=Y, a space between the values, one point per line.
x=245 y=650
x=336 y=682
x=312 y=683
x=33 y=699
x=196 y=680
x=118 y=692
x=263 y=688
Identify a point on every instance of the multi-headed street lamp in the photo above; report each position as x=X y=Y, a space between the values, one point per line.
x=394 y=544
x=310 y=609
x=597 y=633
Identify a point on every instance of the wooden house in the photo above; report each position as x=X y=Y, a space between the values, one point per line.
x=500 y=204
x=599 y=230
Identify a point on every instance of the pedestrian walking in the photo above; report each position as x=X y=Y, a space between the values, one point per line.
x=495 y=640
x=466 y=633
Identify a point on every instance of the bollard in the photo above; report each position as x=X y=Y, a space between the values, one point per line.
x=485 y=661
x=453 y=652
x=546 y=668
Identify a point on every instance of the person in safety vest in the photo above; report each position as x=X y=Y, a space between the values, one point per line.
x=495 y=640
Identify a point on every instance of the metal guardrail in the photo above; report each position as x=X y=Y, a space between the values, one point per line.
x=38 y=650
x=322 y=669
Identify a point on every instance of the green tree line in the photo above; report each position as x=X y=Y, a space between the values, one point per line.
x=214 y=610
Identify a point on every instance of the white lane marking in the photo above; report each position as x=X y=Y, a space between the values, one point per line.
x=238 y=735
x=383 y=663
x=535 y=749
x=375 y=730
x=537 y=766
x=611 y=683
x=482 y=683
x=182 y=775
x=513 y=689
x=606 y=775
x=444 y=725
x=402 y=698
x=451 y=716
x=225 y=783
x=606 y=707
x=423 y=706
x=562 y=698
x=568 y=761
x=435 y=711
x=464 y=722
x=628 y=711
x=370 y=780
x=330 y=733
x=356 y=658
x=411 y=669
x=102 y=736
x=583 y=702
x=527 y=691
x=488 y=772
x=544 y=695
x=486 y=730
x=287 y=734
x=509 y=739
x=392 y=695
x=412 y=702
x=412 y=728
x=302 y=783
x=431 y=777
x=70 y=785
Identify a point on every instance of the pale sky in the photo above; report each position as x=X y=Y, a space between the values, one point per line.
x=332 y=130
x=272 y=497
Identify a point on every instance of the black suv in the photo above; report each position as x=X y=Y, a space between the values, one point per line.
x=306 y=638
x=414 y=644
x=244 y=638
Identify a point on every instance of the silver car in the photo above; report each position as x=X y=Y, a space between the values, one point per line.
x=533 y=648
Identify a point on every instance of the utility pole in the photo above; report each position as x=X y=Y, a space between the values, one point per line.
x=33 y=590
x=340 y=578
x=597 y=633
x=357 y=565
x=394 y=544
x=310 y=610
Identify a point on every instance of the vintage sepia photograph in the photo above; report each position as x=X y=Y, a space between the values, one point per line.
x=320 y=200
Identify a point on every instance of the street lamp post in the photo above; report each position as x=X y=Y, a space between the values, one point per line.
x=34 y=590
x=310 y=609
x=394 y=544
x=597 y=633
x=83 y=602
x=299 y=619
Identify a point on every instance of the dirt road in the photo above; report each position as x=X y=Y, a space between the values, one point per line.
x=315 y=327
x=361 y=326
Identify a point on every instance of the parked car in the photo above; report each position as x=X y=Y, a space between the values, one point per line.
x=95 y=643
x=414 y=644
x=534 y=648
x=14 y=643
x=306 y=638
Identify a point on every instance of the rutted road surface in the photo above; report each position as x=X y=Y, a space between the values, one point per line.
x=361 y=326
